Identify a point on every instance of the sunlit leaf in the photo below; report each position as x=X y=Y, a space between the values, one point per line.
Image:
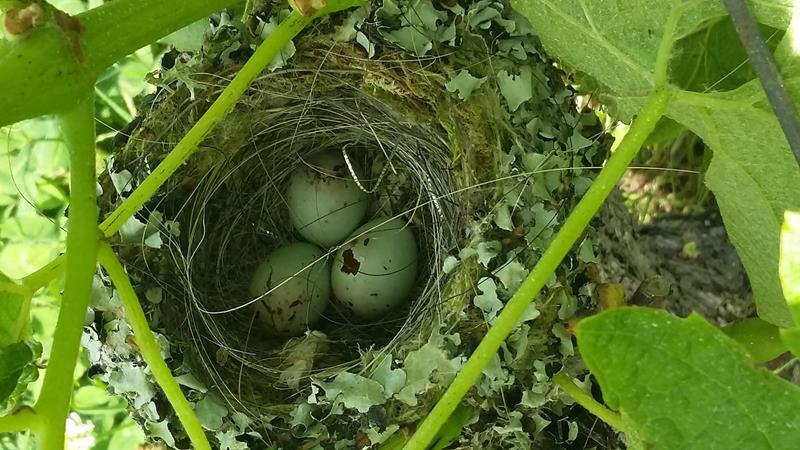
x=681 y=383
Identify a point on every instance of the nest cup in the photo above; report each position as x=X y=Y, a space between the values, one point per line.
x=229 y=202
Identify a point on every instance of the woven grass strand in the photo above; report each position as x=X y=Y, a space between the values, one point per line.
x=235 y=214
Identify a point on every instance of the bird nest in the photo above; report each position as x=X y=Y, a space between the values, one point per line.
x=229 y=202
x=428 y=157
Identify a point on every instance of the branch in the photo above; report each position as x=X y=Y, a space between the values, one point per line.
x=764 y=66
x=46 y=68
x=265 y=53
x=77 y=125
x=121 y=27
x=562 y=243
x=149 y=350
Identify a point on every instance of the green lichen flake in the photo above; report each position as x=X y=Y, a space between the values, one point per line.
x=681 y=383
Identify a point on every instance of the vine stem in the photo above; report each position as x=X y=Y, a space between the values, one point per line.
x=593 y=406
x=148 y=347
x=59 y=58
x=287 y=30
x=77 y=126
x=562 y=243
x=764 y=65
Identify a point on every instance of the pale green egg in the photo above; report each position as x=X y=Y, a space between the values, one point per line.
x=376 y=272
x=325 y=203
x=293 y=306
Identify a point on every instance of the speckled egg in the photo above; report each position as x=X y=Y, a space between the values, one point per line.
x=294 y=306
x=325 y=203
x=376 y=272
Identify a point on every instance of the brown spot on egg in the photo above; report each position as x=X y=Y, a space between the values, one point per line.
x=350 y=264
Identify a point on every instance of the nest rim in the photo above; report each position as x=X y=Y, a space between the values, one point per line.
x=439 y=221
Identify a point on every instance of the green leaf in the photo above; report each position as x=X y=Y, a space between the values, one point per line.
x=616 y=42
x=511 y=274
x=161 y=430
x=288 y=50
x=681 y=383
x=414 y=25
x=790 y=276
x=487 y=301
x=392 y=380
x=760 y=339
x=15 y=317
x=790 y=261
x=753 y=174
x=228 y=441
x=422 y=365
x=713 y=58
x=188 y=38
x=16 y=361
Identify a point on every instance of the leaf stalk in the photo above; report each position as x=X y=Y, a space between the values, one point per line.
x=587 y=401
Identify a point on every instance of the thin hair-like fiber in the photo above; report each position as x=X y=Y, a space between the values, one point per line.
x=233 y=214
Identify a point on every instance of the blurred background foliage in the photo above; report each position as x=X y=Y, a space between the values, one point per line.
x=33 y=202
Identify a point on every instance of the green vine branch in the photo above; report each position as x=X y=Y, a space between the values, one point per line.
x=46 y=65
x=287 y=30
x=78 y=129
x=265 y=53
x=47 y=79
x=587 y=401
x=567 y=236
x=148 y=347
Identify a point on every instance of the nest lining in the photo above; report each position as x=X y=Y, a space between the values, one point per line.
x=229 y=203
